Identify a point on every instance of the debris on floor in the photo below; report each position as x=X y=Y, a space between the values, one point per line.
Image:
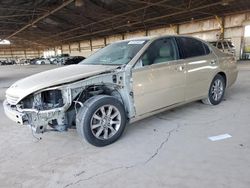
x=219 y=137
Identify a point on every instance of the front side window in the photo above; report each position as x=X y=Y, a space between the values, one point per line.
x=191 y=47
x=160 y=51
x=116 y=54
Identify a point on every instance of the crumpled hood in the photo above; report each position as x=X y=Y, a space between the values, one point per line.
x=36 y=82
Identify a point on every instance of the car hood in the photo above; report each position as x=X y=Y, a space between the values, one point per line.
x=36 y=82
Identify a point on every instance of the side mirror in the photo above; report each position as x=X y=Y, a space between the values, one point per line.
x=138 y=64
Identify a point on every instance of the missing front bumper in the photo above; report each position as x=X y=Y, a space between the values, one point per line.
x=13 y=114
x=18 y=117
x=37 y=121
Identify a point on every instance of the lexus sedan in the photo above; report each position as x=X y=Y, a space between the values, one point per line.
x=124 y=82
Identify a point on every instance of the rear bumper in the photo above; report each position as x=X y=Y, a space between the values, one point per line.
x=232 y=77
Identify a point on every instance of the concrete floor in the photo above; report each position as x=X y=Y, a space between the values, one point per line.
x=167 y=150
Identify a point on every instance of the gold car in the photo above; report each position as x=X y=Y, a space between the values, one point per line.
x=121 y=83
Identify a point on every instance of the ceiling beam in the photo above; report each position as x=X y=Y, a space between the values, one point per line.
x=106 y=19
x=168 y=6
x=19 y=15
x=19 y=9
x=147 y=20
x=20 y=39
x=39 y=19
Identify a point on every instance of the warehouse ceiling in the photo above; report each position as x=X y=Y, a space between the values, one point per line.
x=46 y=23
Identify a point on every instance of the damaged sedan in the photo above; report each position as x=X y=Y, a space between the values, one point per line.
x=124 y=82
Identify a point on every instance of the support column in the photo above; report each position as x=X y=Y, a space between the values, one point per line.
x=79 y=46
x=175 y=28
x=61 y=49
x=221 y=21
x=105 y=41
x=11 y=53
x=91 y=47
x=25 y=55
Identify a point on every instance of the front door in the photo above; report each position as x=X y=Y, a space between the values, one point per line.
x=160 y=80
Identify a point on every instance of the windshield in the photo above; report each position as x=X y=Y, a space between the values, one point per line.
x=116 y=54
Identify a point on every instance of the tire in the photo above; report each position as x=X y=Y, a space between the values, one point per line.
x=217 y=88
x=101 y=121
x=42 y=63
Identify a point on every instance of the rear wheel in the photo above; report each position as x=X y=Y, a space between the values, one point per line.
x=101 y=121
x=216 y=91
x=42 y=63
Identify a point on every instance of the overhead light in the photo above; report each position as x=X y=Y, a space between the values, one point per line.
x=79 y=3
x=4 y=42
x=128 y=23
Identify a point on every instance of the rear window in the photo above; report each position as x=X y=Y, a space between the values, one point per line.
x=220 y=44
x=191 y=47
x=228 y=44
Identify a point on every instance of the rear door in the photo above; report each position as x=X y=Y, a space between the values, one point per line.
x=201 y=64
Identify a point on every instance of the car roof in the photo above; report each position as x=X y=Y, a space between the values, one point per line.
x=149 y=37
x=221 y=40
x=154 y=37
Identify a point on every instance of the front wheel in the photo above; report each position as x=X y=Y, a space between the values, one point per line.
x=101 y=121
x=216 y=91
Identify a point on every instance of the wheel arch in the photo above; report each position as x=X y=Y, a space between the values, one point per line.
x=223 y=74
x=99 y=89
x=91 y=91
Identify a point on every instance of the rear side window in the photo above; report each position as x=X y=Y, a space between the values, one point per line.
x=228 y=44
x=191 y=47
x=207 y=50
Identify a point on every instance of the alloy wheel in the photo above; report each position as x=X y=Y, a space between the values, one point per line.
x=105 y=122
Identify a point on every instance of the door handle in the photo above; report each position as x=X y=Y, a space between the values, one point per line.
x=213 y=62
x=179 y=68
